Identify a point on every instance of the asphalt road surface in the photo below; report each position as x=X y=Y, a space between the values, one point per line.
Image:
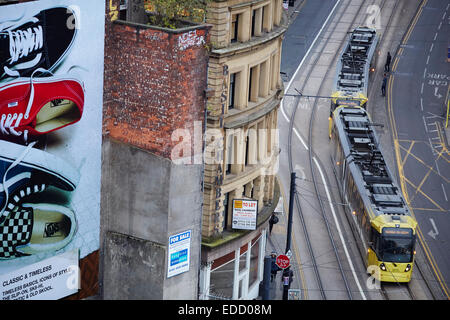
x=301 y=34
x=418 y=87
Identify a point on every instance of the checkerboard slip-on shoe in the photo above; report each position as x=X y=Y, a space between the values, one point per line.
x=41 y=41
x=31 y=107
x=36 y=228
x=25 y=170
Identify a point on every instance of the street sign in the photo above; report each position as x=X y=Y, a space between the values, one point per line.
x=289 y=254
x=294 y=294
x=283 y=261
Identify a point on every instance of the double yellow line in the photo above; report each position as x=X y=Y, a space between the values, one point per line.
x=403 y=179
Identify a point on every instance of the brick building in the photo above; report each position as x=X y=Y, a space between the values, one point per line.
x=154 y=102
x=241 y=157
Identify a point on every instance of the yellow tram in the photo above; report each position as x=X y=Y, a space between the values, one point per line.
x=378 y=214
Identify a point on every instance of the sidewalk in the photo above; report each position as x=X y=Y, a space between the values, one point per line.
x=276 y=241
x=292 y=12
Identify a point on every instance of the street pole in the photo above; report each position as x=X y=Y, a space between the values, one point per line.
x=266 y=278
x=286 y=272
x=291 y=209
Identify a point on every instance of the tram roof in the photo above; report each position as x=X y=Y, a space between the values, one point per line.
x=369 y=169
x=352 y=73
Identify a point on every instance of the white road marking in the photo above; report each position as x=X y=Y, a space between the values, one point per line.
x=425 y=124
x=301 y=140
x=445 y=193
x=304 y=58
x=433 y=233
x=320 y=170
x=350 y=262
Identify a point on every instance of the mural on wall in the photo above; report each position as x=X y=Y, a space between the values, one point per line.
x=51 y=97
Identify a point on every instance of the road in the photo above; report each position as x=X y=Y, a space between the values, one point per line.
x=308 y=63
x=417 y=89
x=302 y=32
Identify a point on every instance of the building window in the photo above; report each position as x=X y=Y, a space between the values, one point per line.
x=251 y=144
x=243 y=262
x=254 y=263
x=253 y=86
x=234 y=27
x=247 y=143
x=222 y=280
x=253 y=22
x=257 y=22
x=232 y=91
x=230 y=153
x=226 y=206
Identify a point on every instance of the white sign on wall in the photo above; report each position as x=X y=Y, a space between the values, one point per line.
x=245 y=214
x=179 y=253
x=49 y=279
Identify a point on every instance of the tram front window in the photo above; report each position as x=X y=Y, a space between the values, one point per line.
x=397 y=245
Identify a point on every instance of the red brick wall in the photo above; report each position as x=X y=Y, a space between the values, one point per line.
x=154 y=83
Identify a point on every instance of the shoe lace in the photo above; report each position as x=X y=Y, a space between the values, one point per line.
x=4 y=185
x=7 y=125
x=23 y=42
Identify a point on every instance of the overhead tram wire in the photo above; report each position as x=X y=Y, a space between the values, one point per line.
x=297 y=201
x=311 y=156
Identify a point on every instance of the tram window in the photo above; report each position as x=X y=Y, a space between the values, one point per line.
x=375 y=239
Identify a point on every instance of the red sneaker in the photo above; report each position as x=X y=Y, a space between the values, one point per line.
x=31 y=107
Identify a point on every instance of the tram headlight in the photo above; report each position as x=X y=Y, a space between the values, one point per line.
x=408 y=267
x=382 y=267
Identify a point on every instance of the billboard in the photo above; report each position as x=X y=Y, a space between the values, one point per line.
x=51 y=98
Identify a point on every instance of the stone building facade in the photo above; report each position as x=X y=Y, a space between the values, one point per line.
x=241 y=155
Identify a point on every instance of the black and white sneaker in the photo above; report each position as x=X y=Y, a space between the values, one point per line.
x=36 y=228
x=25 y=170
x=41 y=41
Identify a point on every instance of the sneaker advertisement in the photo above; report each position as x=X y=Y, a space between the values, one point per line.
x=51 y=98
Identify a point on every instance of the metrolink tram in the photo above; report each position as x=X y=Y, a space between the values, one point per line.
x=377 y=211
x=357 y=60
x=379 y=216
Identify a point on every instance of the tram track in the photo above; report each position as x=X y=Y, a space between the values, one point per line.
x=389 y=291
x=313 y=157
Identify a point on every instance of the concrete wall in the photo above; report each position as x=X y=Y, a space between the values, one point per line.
x=145 y=199
x=155 y=81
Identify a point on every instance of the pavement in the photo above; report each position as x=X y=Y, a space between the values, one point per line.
x=276 y=240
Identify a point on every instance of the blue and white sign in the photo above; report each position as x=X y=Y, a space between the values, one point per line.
x=179 y=253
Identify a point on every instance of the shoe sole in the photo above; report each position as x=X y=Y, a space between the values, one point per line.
x=43 y=161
